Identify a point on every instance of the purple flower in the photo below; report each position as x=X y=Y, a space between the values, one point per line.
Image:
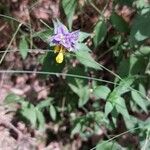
x=63 y=37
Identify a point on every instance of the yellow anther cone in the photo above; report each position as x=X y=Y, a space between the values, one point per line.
x=57 y=49
x=60 y=57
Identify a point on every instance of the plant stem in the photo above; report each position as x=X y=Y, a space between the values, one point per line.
x=3 y=56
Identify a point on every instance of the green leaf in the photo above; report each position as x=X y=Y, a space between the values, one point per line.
x=78 y=70
x=142 y=89
x=98 y=116
x=121 y=107
x=76 y=129
x=140 y=28
x=30 y=114
x=124 y=68
x=82 y=90
x=86 y=59
x=44 y=103
x=69 y=7
x=143 y=51
x=113 y=96
x=83 y=36
x=124 y=85
x=147 y=70
x=82 y=47
x=119 y=23
x=135 y=64
x=141 y=4
x=108 y=108
x=125 y=2
x=83 y=96
x=114 y=115
x=139 y=100
x=50 y=65
x=100 y=31
x=101 y=92
x=74 y=88
x=44 y=34
x=40 y=119
x=52 y=112
x=23 y=47
x=105 y=145
x=118 y=102
x=13 y=98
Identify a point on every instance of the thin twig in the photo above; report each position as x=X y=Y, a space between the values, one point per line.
x=116 y=137
x=4 y=122
x=56 y=73
x=3 y=56
x=29 y=50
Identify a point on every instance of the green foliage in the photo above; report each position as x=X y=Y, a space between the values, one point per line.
x=49 y=63
x=136 y=63
x=108 y=108
x=23 y=47
x=44 y=34
x=124 y=86
x=121 y=107
x=83 y=47
x=139 y=100
x=141 y=4
x=40 y=119
x=69 y=7
x=115 y=99
x=101 y=92
x=33 y=114
x=44 y=103
x=125 y=2
x=140 y=27
x=81 y=90
x=119 y=23
x=52 y=111
x=100 y=31
x=81 y=123
x=86 y=59
x=83 y=36
x=30 y=114
x=13 y=98
x=108 y=145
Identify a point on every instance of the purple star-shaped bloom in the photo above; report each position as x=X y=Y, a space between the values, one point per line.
x=63 y=37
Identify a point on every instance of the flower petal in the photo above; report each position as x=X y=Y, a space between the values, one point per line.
x=62 y=29
x=74 y=36
x=63 y=37
x=59 y=28
x=58 y=37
